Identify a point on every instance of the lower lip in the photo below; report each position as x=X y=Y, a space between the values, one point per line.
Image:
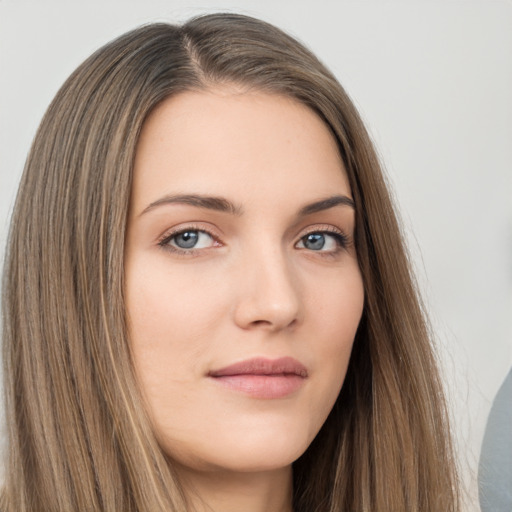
x=262 y=386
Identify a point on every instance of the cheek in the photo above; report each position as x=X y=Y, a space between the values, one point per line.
x=165 y=337
x=171 y=316
x=336 y=307
x=165 y=307
x=336 y=314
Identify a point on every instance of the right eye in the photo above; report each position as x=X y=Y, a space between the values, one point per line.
x=188 y=239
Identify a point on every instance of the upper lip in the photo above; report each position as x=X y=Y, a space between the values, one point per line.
x=263 y=366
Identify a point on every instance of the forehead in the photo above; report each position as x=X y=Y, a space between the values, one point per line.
x=226 y=141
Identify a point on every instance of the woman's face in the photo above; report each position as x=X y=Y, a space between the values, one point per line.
x=242 y=284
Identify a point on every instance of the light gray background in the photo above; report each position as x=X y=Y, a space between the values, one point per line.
x=433 y=80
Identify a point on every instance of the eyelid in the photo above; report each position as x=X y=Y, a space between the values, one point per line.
x=343 y=238
x=162 y=241
x=322 y=228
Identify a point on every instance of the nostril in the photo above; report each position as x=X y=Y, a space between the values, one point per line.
x=260 y=322
x=270 y=324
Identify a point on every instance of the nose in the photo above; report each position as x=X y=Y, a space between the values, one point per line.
x=268 y=296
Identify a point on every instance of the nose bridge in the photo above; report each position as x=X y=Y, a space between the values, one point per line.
x=269 y=297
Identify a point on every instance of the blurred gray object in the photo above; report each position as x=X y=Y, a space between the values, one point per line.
x=495 y=467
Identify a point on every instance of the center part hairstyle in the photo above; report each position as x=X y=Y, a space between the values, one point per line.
x=78 y=433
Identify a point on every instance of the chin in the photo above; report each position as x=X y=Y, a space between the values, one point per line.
x=255 y=452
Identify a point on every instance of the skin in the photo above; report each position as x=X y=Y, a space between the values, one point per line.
x=253 y=286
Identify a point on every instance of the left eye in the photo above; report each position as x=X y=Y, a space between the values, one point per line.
x=189 y=239
x=320 y=241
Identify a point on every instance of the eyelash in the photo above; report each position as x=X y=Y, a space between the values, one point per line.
x=164 y=242
x=342 y=240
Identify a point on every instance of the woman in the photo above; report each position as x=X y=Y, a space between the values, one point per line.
x=207 y=302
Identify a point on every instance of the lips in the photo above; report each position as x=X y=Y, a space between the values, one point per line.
x=263 y=378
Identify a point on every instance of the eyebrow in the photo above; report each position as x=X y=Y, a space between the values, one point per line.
x=208 y=202
x=325 y=204
x=221 y=204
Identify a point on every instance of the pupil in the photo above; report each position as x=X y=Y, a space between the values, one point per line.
x=315 y=241
x=187 y=240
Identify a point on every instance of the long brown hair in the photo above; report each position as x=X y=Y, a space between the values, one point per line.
x=79 y=437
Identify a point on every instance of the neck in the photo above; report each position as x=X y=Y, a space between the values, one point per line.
x=269 y=491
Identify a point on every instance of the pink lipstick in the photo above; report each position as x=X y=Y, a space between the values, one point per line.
x=263 y=378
